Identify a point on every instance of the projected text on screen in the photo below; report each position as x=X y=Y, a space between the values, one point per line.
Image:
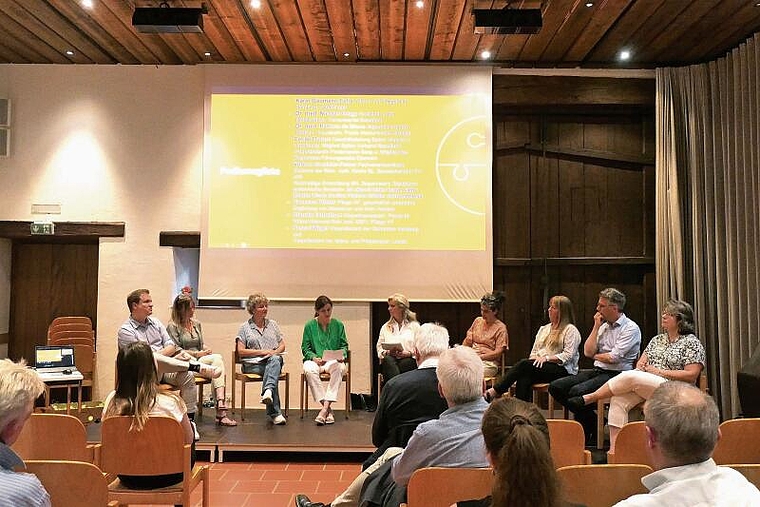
x=407 y=172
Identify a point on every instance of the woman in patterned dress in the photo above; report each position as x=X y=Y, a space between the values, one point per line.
x=675 y=354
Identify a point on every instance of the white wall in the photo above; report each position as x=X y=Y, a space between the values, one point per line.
x=124 y=143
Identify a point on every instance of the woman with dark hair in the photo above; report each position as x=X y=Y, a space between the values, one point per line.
x=488 y=335
x=395 y=346
x=675 y=354
x=554 y=355
x=325 y=349
x=137 y=395
x=187 y=333
x=517 y=446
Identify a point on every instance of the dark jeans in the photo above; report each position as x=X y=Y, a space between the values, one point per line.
x=390 y=366
x=585 y=382
x=525 y=374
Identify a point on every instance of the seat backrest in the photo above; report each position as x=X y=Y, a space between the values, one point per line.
x=567 y=441
x=631 y=445
x=72 y=341
x=441 y=487
x=72 y=319
x=739 y=442
x=75 y=326
x=601 y=485
x=751 y=472
x=70 y=337
x=53 y=437
x=157 y=449
x=84 y=359
x=71 y=482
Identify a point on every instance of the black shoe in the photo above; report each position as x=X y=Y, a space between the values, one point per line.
x=303 y=501
x=575 y=403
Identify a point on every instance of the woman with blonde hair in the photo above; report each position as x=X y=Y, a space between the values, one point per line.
x=187 y=333
x=554 y=355
x=137 y=395
x=395 y=346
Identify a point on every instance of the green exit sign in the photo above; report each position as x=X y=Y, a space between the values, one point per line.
x=42 y=228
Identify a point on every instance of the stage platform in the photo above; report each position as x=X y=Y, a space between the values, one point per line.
x=257 y=435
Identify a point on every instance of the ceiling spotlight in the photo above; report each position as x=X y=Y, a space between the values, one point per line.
x=207 y=53
x=625 y=55
x=589 y=4
x=69 y=52
x=485 y=54
x=255 y=4
x=346 y=54
x=420 y=4
x=87 y=4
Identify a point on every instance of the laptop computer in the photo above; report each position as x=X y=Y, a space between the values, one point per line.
x=55 y=363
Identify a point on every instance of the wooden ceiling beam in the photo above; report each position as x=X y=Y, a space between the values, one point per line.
x=392 y=29
x=238 y=25
x=418 y=28
x=341 y=20
x=33 y=49
x=446 y=29
x=367 y=29
x=317 y=28
x=268 y=30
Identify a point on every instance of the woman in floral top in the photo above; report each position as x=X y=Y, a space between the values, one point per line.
x=675 y=354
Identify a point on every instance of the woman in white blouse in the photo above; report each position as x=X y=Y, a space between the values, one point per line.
x=395 y=347
x=554 y=354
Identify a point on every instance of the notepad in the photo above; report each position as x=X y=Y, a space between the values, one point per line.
x=332 y=355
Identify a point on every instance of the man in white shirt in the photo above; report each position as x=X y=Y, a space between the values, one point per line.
x=682 y=430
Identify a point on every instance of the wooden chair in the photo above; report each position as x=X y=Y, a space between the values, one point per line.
x=601 y=485
x=631 y=445
x=442 y=487
x=199 y=383
x=71 y=483
x=158 y=449
x=244 y=378
x=568 y=442
x=751 y=472
x=85 y=361
x=739 y=442
x=72 y=319
x=54 y=437
x=74 y=326
x=70 y=337
x=304 y=394
x=489 y=381
x=544 y=388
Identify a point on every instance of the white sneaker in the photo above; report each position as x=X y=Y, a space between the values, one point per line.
x=266 y=398
x=279 y=419
x=208 y=371
x=196 y=435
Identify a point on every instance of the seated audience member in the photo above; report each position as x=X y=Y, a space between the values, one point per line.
x=613 y=344
x=188 y=336
x=320 y=334
x=453 y=440
x=260 y=345
x=142 y=327
x=412 y=397
x=675 y=354
x=554 y=355
x=488 y=335
x=517 y=442
x=137 y=395
x=682 y=430
x=399 y=332
x=19 y=388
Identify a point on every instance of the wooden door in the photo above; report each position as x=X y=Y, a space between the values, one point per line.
x=49 y=280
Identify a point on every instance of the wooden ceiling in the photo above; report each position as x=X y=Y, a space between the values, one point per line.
x=657 y=32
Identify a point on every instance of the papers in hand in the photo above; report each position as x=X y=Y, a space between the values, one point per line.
x=392 y=346
x=332 y=355
x=258 y=359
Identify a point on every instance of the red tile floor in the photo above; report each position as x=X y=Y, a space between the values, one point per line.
x=273 y=484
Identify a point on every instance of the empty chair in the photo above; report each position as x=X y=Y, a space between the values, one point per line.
x=602 y=485
x=54 y=437
x=567 y=443
x=739 y=442
x=157 y=449
x=490 y=380
x=442 y=487
x=71 y=483
x=631 y=445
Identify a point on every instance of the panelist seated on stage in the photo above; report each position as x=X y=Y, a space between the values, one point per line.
x=488 y=335
x=260 y=345
x=19 y=388
x=137 y=394
x=554 y=355
x=188 y=336
x=412 y=397
x=176 y=371
x=395 y=345
x=325 y=349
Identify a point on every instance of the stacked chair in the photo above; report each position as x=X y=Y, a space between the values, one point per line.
x=76 y=331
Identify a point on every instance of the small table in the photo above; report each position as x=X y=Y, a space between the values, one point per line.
x=68 y=384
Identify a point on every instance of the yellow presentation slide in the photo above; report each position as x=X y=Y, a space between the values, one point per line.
x=401 y=172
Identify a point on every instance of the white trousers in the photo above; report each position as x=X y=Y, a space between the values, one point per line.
x=215 y=360
x=174 y=372
x=630 y=388
x=312 y=371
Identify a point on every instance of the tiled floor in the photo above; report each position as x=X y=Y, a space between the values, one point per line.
x=273 y=484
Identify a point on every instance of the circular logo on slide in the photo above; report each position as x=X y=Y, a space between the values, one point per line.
x=462 y=165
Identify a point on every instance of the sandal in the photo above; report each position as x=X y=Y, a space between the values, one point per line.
x=321 y=421
x=221 y=415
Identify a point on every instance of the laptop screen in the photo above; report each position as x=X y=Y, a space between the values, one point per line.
x=52 y=356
